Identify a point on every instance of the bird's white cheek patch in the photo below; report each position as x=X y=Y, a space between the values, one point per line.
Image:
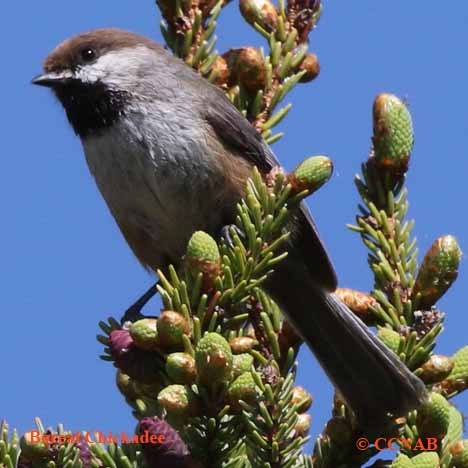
x=113 y=68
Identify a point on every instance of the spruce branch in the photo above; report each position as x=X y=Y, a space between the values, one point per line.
x=403 y=302
x=188 y=28
x=255 y=81
x=258 y=82
x=404 y=295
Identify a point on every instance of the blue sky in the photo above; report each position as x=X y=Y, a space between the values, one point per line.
x=63 y=263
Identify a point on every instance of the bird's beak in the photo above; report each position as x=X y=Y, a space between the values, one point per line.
x=52 y=79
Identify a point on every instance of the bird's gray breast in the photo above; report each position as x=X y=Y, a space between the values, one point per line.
x=157 y=175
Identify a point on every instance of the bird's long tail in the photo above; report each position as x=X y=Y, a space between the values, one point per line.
x=371 y=378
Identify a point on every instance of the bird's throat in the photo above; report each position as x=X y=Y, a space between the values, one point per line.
x=91 y=108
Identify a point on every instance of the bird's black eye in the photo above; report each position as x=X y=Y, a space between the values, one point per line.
x=88 y=54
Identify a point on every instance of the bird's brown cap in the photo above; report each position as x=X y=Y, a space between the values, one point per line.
x=69 y=53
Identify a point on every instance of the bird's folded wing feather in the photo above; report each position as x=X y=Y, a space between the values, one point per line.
x=237 y=133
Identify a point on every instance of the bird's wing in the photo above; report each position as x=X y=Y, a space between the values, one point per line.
x=237 y=133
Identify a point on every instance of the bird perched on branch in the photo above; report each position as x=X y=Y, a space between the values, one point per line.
x=171 y=155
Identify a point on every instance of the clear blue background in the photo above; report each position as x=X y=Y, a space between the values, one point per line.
x=63 y=263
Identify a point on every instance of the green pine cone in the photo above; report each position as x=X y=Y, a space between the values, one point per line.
x=203 y=256
x=248 y=66
x=145 y=334
x=181 y=369
x=302 y=398
x=171 y=327
x=459 y=451
x=393 y=133
x=202 y=246
x=390 y=338
x=457 y=380
x=434 y=417
x=179 y=400
x=220 y=74
x=242 y=344
x=243 y=388
x=402 y=461
x=460 y=369
x=436 y=369
x=241 y=363
x=438 y=271
x=311 y=66
x=214 y=359
x=261 y=12
x=302 y=426
x=426 y=460
x=32 y=448
x=311 y=174
x=455 y=429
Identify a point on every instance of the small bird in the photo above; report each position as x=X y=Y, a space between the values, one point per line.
x=171 y=155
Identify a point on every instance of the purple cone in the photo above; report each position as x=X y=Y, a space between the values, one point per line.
x=138 y=364
x=85 y=453
x=171 y=453
x=120 y=343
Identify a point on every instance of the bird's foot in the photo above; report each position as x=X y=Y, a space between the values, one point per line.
x=133 y=313
x=226 y=234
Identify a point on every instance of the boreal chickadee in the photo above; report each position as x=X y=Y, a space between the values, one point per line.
x=170 y=155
